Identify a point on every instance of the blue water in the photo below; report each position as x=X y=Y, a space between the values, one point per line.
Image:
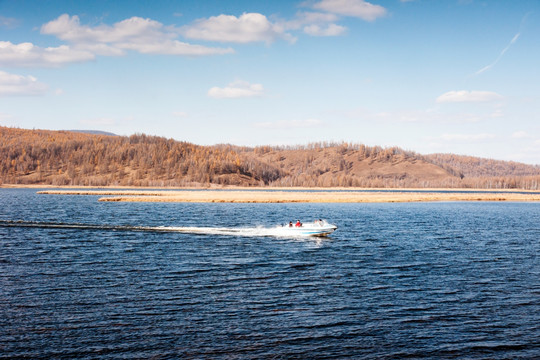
x=416 y=280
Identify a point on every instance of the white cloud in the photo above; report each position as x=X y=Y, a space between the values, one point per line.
x=142 y=35
x=174 y=47
x=304 y=18
x=68 y=28
x=429 y=115
x=292 y=124
x=17 y=85
x=330 y=30
x=247 y=28
x=355 y=8
x=408 y=116
x=497 y=113
x=309 y=17
x=521 y=135
x=145 y=36
x=236 y=89
x=469 y=96
x=27 y=54
x=467 y=137
x=315 y=24
x=180 y=114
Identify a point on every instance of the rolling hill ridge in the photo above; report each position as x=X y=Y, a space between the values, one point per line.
x=84 y=159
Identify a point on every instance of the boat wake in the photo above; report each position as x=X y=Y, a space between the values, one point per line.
x=278 y=231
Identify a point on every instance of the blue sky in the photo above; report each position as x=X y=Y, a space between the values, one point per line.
x=459 y=76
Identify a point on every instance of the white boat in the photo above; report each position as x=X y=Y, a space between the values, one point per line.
x=316 y=228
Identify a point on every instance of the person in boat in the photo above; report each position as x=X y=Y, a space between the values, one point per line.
x=290 y=223
x=298 y=223
x=320 y=222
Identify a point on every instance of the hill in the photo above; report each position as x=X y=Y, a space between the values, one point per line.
x=93 y=132
x=329 y=165
x=70 y=158
x=75 y=158
x=471 y=166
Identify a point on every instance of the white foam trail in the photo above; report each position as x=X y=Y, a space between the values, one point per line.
x=278 y=231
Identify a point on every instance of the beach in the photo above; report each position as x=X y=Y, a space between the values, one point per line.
x=264 y=195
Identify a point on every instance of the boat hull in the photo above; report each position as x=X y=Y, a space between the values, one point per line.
x=312 y=230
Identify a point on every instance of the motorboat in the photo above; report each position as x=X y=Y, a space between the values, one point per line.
x=316 y=228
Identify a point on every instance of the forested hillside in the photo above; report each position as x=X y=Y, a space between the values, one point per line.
x=471 y=166
x=332 y=164
x=489 y=173
x=76 y=158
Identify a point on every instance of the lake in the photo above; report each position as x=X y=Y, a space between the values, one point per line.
x=86 y=279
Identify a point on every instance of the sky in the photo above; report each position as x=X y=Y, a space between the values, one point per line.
x=445 y=76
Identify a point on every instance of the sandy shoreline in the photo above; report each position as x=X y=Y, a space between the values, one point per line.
x=263 y=195
x=214 y=187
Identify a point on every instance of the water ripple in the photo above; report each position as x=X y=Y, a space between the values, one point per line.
x=441 y=280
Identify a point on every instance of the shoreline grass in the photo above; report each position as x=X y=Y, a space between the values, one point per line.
x=263 y=195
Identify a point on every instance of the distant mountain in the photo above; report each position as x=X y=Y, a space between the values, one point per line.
x=93 y=132
x=81 y=158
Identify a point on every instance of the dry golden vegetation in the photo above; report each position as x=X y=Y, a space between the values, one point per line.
x=283 y=196
x=60 y=158
x=69 y=158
